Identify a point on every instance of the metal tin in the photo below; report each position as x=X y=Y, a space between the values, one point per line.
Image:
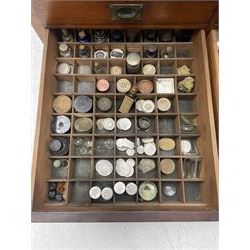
x=148 y=191
x=119 y=187
x=149 y=69
x=145 y=86
x=60 y=163
x=82 y=104
x=148 y=106
x=166 y=144
x=59 y=146
x=60 y=124
x=169 y=190
x=108 y=124
x=144 y=123
x=131 y=188
x=104 y=167
x=104 y=104
x=64 y=68
x=133 y=63
x=116 y=53
x=115 y=70
x=167 y=166
x=102 y=85
x=95 y=193
x=107 y=193
x=163 y=104
x=123 y=85
x=100 y=54
x=83 y=124
x=62 y=104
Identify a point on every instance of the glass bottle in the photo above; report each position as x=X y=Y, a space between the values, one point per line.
x=128 y=100
x=83 y=37
x=65 y=50
x=67 y=36
x=84 y=52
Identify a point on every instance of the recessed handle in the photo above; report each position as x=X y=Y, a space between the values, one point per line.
x=126 y=12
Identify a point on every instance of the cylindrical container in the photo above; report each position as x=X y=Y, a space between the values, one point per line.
x=104 y=104
x=151 y=51
x=83 y=103
x=83 y=125
x=83 y=37
x=59 y=146
x=102 y=85
x=133 y=63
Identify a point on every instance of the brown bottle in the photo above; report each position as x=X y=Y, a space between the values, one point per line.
x=128 y=100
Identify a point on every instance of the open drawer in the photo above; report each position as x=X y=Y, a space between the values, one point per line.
x=189 y=192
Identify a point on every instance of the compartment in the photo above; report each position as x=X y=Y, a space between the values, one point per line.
x=79 y=192
x=171 y=191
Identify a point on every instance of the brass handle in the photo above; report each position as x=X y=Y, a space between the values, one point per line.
x=126 y=12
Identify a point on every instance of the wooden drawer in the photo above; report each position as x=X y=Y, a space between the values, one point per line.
x=75 y=14
x=185 y=208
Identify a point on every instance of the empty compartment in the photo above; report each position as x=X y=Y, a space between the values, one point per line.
x=104 y=146
x=186 y=104
x=168 y=125
x=79 y=192
x=184 y=50
x=192 y=191
x=82 y=67
x=167 y=67
x=82 y=168
x=85 y=85
x=171 y=191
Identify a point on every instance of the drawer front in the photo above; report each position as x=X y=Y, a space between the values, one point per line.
x=185 y=210
x=185 y=14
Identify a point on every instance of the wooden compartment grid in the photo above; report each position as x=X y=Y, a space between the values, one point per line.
x=158 y=179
